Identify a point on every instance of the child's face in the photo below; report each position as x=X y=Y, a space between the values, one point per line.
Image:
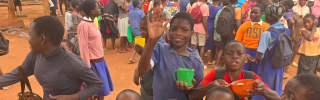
x=311 y=3
x=144 y=29
x=294 y=91
x=218 y=95
x=70 y=8
x=96 y=12
x=302 y=2
x=180 y=32
x=235 y=56
x=36 y=42
x=255 y=14
x=308 y=23
x=65 y=46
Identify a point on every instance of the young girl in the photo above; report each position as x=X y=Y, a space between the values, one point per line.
x=67 y=44
x=249 y=34
x=302 y=87
x=271 y=75
x=309 y=49
x=301 y=8
x=91 y=47
x=213 y=9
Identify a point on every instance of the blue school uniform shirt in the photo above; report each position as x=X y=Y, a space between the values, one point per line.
x=135 y=16
x=165 y=58
x=131 y=6
x=267 y=39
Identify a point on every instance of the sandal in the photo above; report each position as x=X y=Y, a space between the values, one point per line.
x=210 y=63
x=128 y=49
x=132 y=61
x=123 y=51
x=104 y=49
x=114 y=50
x=6 y=88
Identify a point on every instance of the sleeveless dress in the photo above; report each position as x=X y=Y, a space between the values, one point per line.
x=210 y=24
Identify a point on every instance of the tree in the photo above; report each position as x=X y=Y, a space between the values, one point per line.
x=11 y=9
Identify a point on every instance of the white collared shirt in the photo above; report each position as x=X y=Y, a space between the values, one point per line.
x=260 y=23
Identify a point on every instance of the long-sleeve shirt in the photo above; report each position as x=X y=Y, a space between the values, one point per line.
x=135 y=16
x=90 y=44
x=76 y=19
x=59 y=73
x=69 y=23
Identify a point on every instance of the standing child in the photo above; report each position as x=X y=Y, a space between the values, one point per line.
x=52 y=9
x=235 y=57
x=301 y=8
x=47 y=58
x=200 y=36
x=146 y=6
x=135 y=16
x=213 y=9
x=271 y=75
x=166 y=58
x=310 y=46
x=60 y=5
x=68 y=21
x=245 y=10
x=18 y=3
x=91 y=50
x=249 y=34
x=123 y=24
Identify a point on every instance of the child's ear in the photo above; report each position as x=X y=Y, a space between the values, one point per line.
x=43 y=39
x=192 y=32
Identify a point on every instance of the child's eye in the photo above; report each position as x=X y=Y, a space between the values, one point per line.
x=184 y=30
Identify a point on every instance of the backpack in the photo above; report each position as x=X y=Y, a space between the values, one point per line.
x=283 y=51
x=196 y=14
x=246 y=16
x=247 y=75
x=4 y=45
x=298 y=24
x=225 y=26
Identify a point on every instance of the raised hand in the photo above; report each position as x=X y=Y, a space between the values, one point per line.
x=156 y=27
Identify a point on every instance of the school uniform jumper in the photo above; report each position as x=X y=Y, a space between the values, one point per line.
x=135 y=16
x=210 y=23
x=249 y=34
x=58 y=73
x=272 y=76
x=165 y=58
x=92 y=53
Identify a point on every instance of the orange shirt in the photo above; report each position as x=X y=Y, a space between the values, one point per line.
x=310 y=48
x=250 y=35
x=243 y=7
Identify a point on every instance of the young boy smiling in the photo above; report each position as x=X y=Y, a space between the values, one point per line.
x=166 y=58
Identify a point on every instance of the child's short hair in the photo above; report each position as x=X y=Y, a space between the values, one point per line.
x=311 y=82
x=184 y=15
x=275 y=1
x=135 y=3
x=68 y=42
x=51 y=27
x=265 y=4
x=75 y=3
x=88 y=6
x=233 y=41
x=192 y=2
x=215 y=0
x=310 y=16
x=288 y=3
x=260 y=6
x=226 y=2
x=219 y=88
x=156 y=2
x=67 y=4
x=128 y=91
x=233 y=1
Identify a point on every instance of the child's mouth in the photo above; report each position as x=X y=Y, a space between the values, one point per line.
x=234 y=63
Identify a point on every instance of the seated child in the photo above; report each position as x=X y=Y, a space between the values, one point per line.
x=249 y=34
x=234 y=58
x=128 y=94
x=309 y=49
x=47 y=58
x=164 y=57
x=302 y=87
x=219 y=93
x=271 y=75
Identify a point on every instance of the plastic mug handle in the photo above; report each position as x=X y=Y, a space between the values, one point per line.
x=174 y=74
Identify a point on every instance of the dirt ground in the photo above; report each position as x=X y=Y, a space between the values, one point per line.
x=121 y=71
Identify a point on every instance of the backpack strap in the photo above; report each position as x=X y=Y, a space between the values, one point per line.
x=219 y=74
x=24 y=81
x=248 y=75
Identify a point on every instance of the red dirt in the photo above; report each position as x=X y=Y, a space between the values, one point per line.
x=121 y=71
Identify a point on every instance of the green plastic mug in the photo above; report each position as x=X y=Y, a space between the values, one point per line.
x=185 y=75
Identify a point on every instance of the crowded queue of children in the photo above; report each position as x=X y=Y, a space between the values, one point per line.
x=246 y=52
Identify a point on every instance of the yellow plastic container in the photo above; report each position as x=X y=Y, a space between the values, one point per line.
x=141 y=41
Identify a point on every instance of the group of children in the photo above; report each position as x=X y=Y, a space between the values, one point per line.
x=246 y=52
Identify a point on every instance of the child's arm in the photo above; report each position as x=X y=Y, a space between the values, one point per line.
x=155 y=30
x=201 y=91
x=261 y=89
x=310 y=36
x=74 y=21
x=264 y=41
x=204 y=22
x=291 y=23
x=83 y=44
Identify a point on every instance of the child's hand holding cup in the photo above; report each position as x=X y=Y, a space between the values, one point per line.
x=185 y=78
